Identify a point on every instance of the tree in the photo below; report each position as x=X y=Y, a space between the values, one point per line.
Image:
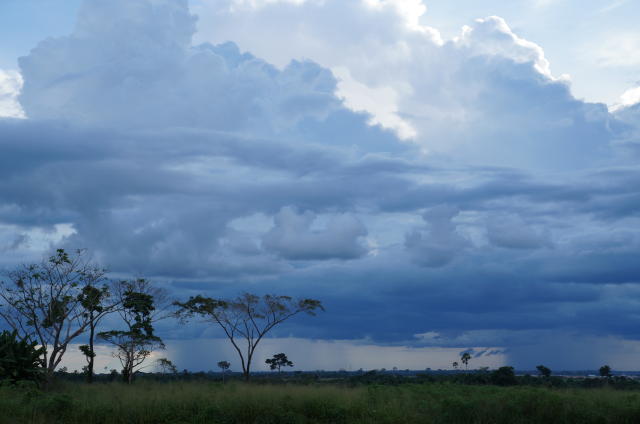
x=455 y=365
x=605 y=371
x=138 y=300
x=465 y=359
x=20 y=359
x=94 y=301
x=543 y=371
x=504 y=376
x=166 y=366
x=224 y=366
x=246 y=319
x=42 y=302
x=278 y=361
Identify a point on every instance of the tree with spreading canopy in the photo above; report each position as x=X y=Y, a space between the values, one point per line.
x=141 y=305
x=278 y=361
x=543 y=371
x=246 y=319
x=44 y=302
x=166 y=366
x=605 y=371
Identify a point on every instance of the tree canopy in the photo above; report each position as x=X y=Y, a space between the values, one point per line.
x=246 y=319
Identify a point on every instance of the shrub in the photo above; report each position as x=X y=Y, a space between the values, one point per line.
x=20 y=359
x=504 y=376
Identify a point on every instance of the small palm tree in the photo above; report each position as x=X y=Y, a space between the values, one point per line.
x=465 y=359
x=224 y=366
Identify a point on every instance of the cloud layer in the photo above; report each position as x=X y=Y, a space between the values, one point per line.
x=507 y=212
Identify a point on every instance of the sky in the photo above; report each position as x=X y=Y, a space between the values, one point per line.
x=446 y=176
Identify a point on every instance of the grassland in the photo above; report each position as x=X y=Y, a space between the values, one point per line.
x=209 y=402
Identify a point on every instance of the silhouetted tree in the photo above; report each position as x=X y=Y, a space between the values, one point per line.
x=138 y=300
x=455 y=365
x=278 y=361
x=465 y=359
x=43 y=302
x=504 y=376
x=166 y=366
x=247 y=317
x=96 y=304
x=224 y=366
x=544 y=371
x=605 y=371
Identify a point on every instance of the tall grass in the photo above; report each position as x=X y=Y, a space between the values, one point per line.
x=205 y=402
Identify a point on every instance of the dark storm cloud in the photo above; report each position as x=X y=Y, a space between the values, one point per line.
x=213 y=171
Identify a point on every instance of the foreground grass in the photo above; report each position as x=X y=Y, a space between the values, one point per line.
x=201 y=402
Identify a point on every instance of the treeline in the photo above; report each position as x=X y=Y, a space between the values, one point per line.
x=51 y=305
x=500 y=377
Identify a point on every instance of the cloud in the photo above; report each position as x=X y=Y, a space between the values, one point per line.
x=512 y=232
x=215 y=87
x=487 y=96
x=10 y=85
x=214 y=171
x=628 y=98
x=293 y=237
x=440 y=242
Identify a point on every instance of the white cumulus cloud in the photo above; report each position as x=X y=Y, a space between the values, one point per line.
x=10 y=85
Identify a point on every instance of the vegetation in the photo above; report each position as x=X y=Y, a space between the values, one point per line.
x=43 y=302
x=95 y=302
x=205 y=402
x=605 y=371
x=465 y=359
x=20 y=359
x=224 y=366
x=278 y=361
x=138 y=300
x=51 y=304
x=543 y=371
x=248 y=318
x=166 y=366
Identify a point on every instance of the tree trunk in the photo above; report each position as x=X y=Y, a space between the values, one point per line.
x=92 y=329
x=247 y=372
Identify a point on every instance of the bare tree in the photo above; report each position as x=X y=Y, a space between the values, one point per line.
x=246 y=319
x=141 y=305
x=43 y=302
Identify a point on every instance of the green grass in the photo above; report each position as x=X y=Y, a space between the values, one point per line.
x=206 y=402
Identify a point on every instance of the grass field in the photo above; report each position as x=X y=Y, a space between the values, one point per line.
x=206 y=402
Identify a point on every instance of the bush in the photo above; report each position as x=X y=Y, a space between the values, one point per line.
x=504 y=376
x=20 y=360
